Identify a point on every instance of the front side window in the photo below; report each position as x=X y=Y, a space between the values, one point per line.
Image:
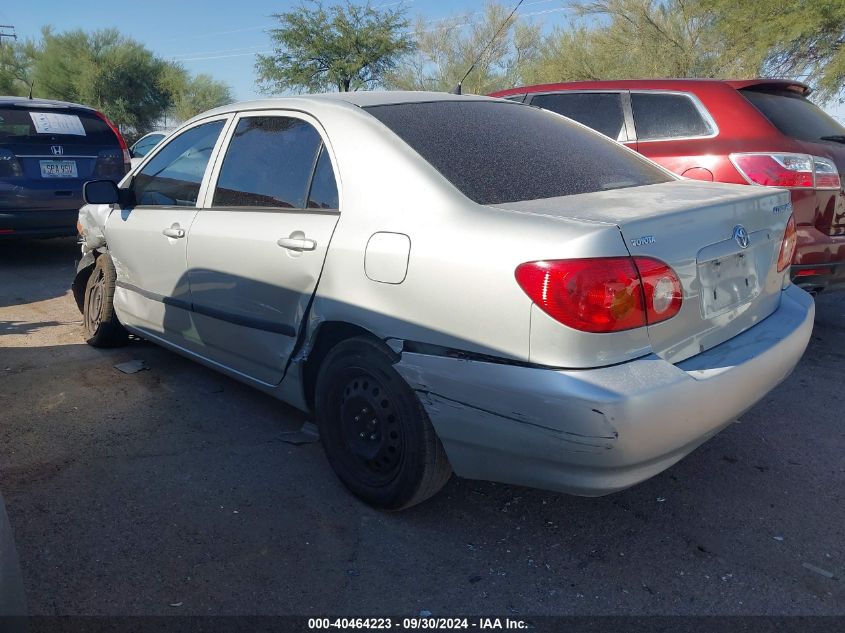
x=269 y=163
x=601 y=111
x=663 y=116
x=173 y=176
x=498 y=151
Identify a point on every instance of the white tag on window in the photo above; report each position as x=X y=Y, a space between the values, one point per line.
x=55 y=123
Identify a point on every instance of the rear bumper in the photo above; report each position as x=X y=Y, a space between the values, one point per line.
x=37 y=224
x=593 y=432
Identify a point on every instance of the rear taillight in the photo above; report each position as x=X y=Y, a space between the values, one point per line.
x=9 y=165
x=795 y=171
x=127 y=158
x=109 y=164
x=606 y=294
x=787 y=246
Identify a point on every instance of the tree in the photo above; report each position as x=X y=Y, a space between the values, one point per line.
x=447 y=50
x=347 y=48
x=106 y=70
x=616 y=39
x=110 y=72
x=802 y=38
x=199 y=94
x=16 y=60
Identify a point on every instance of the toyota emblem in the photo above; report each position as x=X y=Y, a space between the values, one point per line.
x=741 y=236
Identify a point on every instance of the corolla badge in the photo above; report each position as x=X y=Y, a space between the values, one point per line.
x=741 y=236
x=643 y=241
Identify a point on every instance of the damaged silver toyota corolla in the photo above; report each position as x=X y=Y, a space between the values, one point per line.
x=451 y=283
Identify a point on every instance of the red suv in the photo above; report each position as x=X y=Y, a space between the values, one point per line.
x=760 y=132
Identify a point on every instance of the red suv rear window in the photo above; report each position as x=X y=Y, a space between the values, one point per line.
x=794 y=115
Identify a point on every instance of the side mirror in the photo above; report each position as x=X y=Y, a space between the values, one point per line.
x=100 y=192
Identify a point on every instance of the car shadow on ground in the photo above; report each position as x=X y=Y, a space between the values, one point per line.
x=47 y=265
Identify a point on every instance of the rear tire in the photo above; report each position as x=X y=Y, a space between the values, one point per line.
x=102 y=326
x=376 y=434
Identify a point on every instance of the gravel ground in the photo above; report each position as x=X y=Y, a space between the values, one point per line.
x=170 y=491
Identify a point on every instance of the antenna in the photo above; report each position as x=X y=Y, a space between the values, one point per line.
x=457 y=89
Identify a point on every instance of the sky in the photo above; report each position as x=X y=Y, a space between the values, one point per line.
x=220 y=37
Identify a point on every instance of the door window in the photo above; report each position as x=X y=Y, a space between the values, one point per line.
x=173 y=176
x=665 y=116
x=323 y=194
x=601 y=111
x=270 y=162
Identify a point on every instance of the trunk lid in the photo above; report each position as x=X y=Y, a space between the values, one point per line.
x=691 y=226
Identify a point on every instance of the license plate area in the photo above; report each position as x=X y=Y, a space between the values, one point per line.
x=729 y=281
x=58 y=168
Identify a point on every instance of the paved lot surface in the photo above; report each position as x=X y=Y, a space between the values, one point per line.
x=170 y=491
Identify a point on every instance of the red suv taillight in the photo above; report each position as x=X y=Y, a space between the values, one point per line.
x=787 y=246
x=606 y=294
x=796 y=171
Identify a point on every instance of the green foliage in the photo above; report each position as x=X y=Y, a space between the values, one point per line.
x=447 y=49
x=800 y=38
x=106 y=70
x=616 y=39
x=347 y=48
x=16 y=59
x=199 y=94
x=113 y=73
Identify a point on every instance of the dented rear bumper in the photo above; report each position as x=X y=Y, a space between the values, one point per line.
x=593 y=432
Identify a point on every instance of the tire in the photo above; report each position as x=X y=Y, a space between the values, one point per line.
x=376 y=434
x=102 y=327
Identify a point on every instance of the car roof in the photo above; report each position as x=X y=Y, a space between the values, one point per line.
x=40 y=103
x=362 y=98
x=661 y=84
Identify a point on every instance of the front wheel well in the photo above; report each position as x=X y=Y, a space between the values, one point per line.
x=328 y=335
x=79 y=283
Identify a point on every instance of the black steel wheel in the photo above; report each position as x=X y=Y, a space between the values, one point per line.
x=102 y=327
x=375 y=432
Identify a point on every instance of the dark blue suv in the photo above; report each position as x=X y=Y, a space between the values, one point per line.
x=47 y=150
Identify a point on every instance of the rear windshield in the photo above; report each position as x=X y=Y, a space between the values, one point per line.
x=40 y=125
x=498 y=151
x=794 y=115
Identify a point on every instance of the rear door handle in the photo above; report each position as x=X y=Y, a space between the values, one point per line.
x=297 y=243
x=174 y=231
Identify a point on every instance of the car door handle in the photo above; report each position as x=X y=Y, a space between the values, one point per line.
x=297 y=243
x=174 y=231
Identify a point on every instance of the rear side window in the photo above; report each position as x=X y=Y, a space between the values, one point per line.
x=664 y=116
x=496 y=151
x=601 y=111
x=173 y=176
x=269 y=163
x=323 y=194
x=794 y=115
x=28 y=126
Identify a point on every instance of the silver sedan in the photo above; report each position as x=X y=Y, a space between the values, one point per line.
x=451 y=283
